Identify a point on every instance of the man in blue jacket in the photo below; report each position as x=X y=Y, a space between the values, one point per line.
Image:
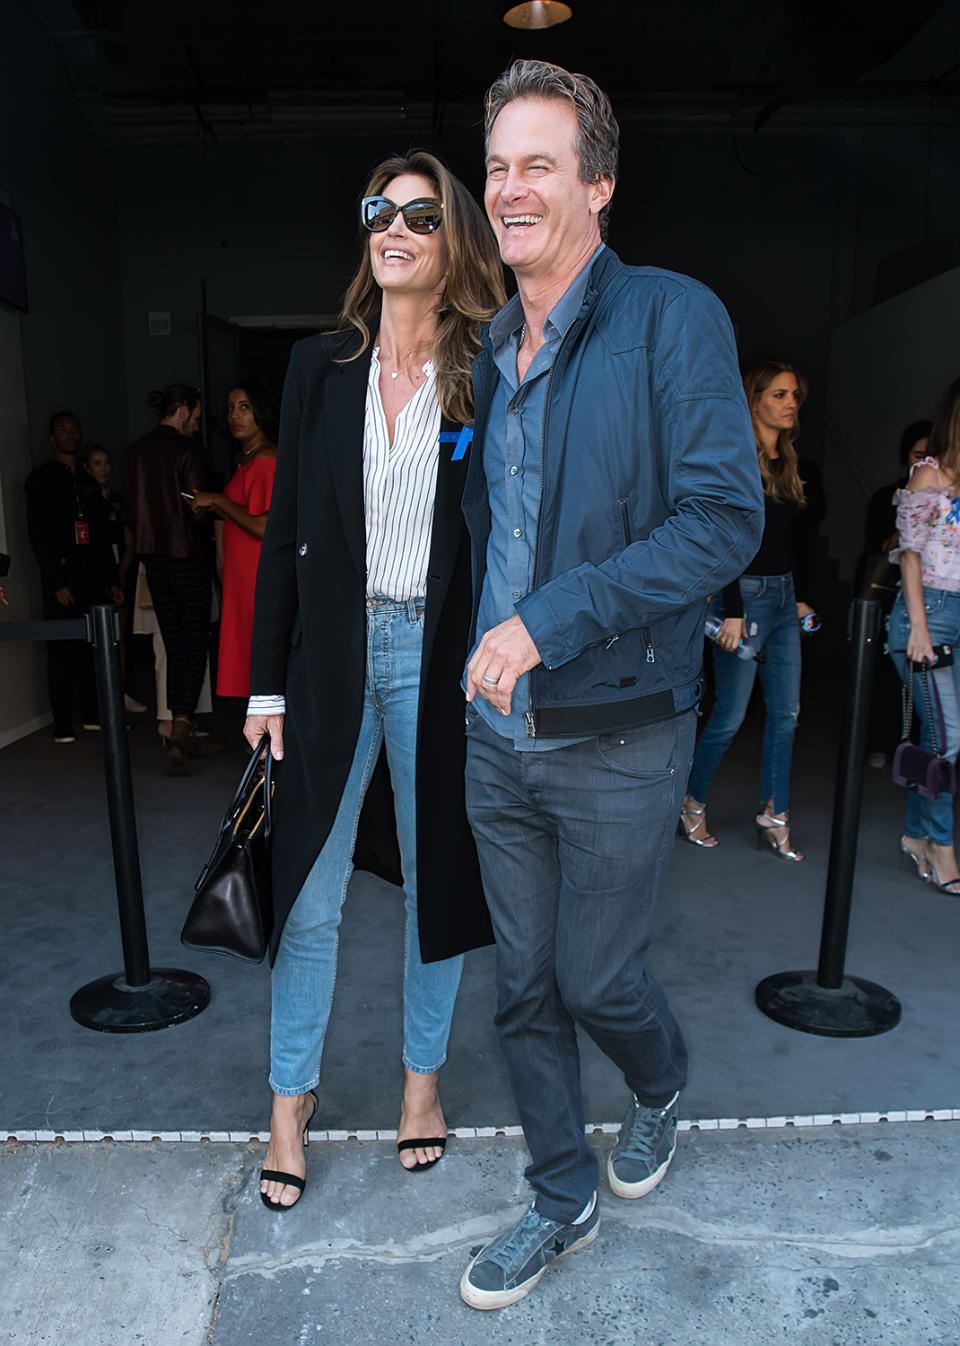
x=612 y=488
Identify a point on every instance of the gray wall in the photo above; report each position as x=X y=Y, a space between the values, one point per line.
x=889 y=366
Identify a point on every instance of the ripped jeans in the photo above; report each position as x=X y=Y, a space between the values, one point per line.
x=770 y=609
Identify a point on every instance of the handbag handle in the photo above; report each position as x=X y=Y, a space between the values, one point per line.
x=240 y=804
x=906 y=705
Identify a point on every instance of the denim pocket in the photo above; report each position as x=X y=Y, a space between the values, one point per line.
x=648 y=751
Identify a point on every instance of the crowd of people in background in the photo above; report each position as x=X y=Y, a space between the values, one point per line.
x=153 y=552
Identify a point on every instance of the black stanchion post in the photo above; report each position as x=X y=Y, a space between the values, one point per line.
x=140 y=998
x=827 y=1002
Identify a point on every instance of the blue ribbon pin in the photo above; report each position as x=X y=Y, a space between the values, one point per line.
x=462 y=440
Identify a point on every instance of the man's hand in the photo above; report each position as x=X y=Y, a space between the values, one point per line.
x=116 y=593
x=504 y=653
x=733 y=630
x=64 y=597
x=258 y=725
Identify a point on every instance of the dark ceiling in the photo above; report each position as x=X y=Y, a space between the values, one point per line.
x=172 y=69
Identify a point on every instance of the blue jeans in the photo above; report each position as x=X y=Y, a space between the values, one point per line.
x=572 y=844
x=932 y=818
x=306 y=964
x=770 y=609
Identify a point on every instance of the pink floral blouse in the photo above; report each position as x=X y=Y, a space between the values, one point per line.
x=928 y=522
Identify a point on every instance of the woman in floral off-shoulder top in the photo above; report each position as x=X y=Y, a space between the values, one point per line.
x=927 y=614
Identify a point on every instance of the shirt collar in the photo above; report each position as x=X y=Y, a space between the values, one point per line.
x=509 y=320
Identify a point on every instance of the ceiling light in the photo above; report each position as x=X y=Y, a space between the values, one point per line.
x=538 y=14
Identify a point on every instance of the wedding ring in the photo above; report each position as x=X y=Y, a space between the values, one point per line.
x=491 y=682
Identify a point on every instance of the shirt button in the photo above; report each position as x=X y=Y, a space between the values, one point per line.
x=514 y=471
x=517 y=532
x=302 y=549
x=518 y=593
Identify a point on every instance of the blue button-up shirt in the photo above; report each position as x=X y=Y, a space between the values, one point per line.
x=511 y=463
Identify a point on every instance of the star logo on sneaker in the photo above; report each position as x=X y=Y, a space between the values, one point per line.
x=558 y=1246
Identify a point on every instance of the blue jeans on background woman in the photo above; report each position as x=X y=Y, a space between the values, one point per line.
x=931 y=818
x=306 y=966
x=770 y=610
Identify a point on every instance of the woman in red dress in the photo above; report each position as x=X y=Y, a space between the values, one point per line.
x=243 y=505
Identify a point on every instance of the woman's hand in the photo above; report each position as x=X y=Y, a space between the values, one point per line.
x=919 y=645
x=733 y=630
x=803 y=610
x=258 y=725
x=205 y=500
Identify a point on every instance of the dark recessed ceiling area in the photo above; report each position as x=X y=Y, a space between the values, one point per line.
x=175 y=69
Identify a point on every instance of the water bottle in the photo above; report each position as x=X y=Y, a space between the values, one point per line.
x=809 y=624
x=711 y=629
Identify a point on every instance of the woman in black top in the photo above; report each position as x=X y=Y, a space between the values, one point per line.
x=764 y=607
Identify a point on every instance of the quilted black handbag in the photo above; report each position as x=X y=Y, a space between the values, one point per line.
x=929 y=773
x=232 y=912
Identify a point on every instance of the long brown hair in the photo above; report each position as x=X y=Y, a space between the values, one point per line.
x=945 y=435
x=474 y=284
x=780 y=476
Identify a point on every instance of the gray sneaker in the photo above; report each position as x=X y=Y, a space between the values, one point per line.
x=644 y=1149
x=509 y=1267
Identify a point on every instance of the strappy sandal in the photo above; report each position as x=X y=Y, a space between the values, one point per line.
x=701 y=821
x=288 y=1179
x=766 y=827
x=919 y=857
x=431 y=1143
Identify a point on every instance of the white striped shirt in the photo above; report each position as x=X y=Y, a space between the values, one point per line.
x=399 y=485
x=399 y=488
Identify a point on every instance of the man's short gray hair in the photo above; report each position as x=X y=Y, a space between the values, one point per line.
x=598 y=136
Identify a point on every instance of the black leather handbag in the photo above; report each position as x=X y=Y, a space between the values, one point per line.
x=232 y=912
x=929 y=773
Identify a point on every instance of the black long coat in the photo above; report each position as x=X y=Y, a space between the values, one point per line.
x=309 y=642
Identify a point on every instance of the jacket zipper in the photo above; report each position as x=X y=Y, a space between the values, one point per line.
x=645 y=636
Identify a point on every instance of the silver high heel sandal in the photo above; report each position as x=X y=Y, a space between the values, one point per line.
x=766 y=826
x=700 y=816
x=918 y=857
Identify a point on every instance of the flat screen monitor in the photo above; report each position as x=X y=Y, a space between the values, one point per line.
x=13 y=275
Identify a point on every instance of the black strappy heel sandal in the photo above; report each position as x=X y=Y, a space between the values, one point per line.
x=288 y=1179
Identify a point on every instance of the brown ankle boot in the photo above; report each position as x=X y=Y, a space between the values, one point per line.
x=178 y=762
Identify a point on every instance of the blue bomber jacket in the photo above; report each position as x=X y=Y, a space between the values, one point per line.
x=650 y=500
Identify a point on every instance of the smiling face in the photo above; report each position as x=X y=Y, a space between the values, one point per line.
x=404 y=262
x=544 y=217
x=778 y=405
x=240 y=417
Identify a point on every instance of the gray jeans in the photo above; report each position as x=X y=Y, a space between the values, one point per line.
x=572 y=845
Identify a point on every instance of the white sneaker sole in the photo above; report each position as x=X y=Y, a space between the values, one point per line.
x=631 y=1190
x=499 y=1299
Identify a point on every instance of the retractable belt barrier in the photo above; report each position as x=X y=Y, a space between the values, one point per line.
x=827 y=1002
x=140 y=998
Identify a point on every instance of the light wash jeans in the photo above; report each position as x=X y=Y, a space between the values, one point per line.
x=932 y=818
x=306 y=965
x=770 y=608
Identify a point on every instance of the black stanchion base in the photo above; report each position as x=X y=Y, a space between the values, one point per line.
x=111 y=1006
x=856 y=1009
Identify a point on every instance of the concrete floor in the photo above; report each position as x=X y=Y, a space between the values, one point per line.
x=841 y=1235
x=847 y=1233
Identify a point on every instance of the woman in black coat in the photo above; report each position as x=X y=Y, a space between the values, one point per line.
x=360 y=637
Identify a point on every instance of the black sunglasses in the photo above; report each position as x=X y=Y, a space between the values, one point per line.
x=422 y=216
